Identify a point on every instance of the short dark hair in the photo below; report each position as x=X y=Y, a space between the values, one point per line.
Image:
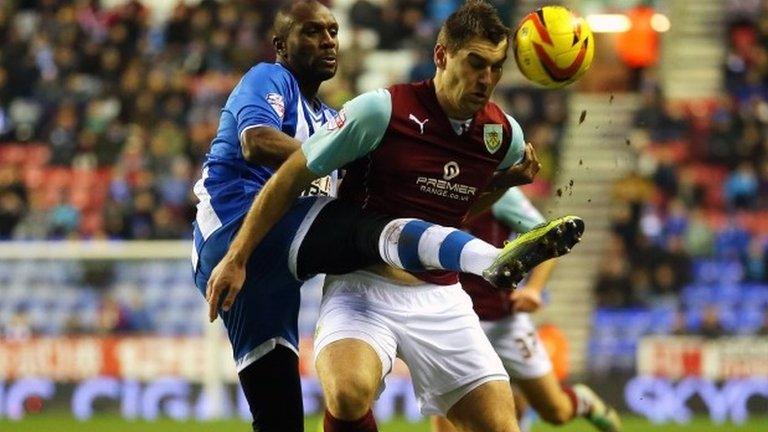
x=284 y=18
x=475 y=18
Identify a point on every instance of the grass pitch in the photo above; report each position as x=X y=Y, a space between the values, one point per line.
x=106 y=423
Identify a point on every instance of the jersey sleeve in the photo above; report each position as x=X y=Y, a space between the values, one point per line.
x=516 y=211
x=261 y=98
x=356 y=131
x=517 y=147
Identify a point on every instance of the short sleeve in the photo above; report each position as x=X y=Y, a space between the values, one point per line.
x=356 y=131
x=516 y=211
x=261 y=97
x=517 y=147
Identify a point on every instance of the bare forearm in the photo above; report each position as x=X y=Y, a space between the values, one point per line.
x=268 y=146
x=270 y=205
x=540 y=274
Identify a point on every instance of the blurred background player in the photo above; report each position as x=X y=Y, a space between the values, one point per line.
x=369 y=317
x=505 y=318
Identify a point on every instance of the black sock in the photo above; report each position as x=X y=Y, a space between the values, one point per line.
x=272 y=387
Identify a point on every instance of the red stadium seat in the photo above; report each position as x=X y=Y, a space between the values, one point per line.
x=37 y=155
x=91 y=223
x=34 y=177
x=717 y=219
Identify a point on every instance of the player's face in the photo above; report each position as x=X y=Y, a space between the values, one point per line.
x=471 y=74
x=312 y=45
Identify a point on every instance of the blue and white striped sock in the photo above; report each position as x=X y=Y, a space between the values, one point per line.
x=416 y=245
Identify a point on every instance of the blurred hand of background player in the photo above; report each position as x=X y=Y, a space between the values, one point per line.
x=525 y=299
x=519 y=174
x=516 y=175
x=227 y=278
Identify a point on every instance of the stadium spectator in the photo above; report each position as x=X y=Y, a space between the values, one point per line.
x=112 y=317
x=64 y=219
x=679 y=324
x=679 y=260
x=36 y=223
x=12 y=209
x=665 y=286
x=698 y=237
x=19 y=327
x=711 y=324
x=755 y=261
x=612 y=287
x=741 y=187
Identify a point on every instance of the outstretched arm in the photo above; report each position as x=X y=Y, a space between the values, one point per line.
x=270 y=205
x=355 y=132
x=528 y=298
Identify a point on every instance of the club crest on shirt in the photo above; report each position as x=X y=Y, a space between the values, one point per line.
x=338 y=121
x=492 y=135
x=277 y=103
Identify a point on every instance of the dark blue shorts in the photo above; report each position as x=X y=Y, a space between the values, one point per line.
x=266 y=310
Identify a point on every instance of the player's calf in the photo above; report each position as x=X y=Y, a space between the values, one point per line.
x=488 y=408
x=272 y=387
x=556 y=414
x=602 y=416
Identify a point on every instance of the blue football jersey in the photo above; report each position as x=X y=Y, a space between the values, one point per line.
x=267 y=95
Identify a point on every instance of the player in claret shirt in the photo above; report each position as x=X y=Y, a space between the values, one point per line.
x=505 y=318
x=429 y=151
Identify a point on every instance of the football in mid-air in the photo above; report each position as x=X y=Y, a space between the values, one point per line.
x=553 y=47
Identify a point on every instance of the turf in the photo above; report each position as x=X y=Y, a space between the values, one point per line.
x=62 y=423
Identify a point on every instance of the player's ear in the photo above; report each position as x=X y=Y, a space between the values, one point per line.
x=440 y=55
x=279 y=44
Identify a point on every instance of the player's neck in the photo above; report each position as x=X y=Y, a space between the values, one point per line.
x=449 y=108
x=308 y=88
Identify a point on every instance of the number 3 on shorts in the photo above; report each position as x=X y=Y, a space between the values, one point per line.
x=527 y=345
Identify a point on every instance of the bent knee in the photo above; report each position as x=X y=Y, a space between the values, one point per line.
x=349 y=397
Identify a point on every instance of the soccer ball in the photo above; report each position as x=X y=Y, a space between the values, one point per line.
x=553 y=47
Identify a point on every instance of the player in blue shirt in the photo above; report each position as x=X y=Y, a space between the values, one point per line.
x=266 y=117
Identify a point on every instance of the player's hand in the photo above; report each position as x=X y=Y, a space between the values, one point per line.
x=227 y=279
x=525 y=300
x=521 y=173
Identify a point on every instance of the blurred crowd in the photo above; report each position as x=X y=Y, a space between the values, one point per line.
x=694 y=217
x=106 y=113
x=118 y=102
